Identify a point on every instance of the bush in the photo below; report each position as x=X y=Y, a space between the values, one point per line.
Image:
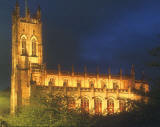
x=49 y=111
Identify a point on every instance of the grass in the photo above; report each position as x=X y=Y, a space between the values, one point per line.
x=4 y=102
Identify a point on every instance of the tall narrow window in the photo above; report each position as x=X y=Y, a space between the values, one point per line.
x=122 y=105
x=65 y=82
x=23 y=46
x=115 y=86
x=91 y=84
x=85 y=105
x=34 y=48
x=71 y=103
x=78 y=83
x=110 y=106
x=51 y=82
x=98 y=106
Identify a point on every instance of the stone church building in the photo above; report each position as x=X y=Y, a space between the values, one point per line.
x=95 y=93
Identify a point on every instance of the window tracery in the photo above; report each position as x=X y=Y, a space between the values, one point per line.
x=71 y=103
x=34 y=47
x=98 y=106
x=23 y=46
x=51 y=82
x=65 y=82
x=78 y=83
x=91 y=84
x=122 y=106
x=85 y=105
x=110 y=106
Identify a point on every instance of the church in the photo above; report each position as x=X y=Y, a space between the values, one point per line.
x=95 y=93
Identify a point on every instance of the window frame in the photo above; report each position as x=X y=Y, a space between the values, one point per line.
x=34 y=47
x=23 y=46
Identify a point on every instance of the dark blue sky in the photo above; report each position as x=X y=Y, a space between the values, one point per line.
x=114 y=33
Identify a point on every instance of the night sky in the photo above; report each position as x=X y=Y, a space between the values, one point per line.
x=108 y=33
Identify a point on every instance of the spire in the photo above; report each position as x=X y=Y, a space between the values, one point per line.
x=17 y=9
x=97 y=69
x=133 y=77
x=38 y=13
x=27 y=12
x=85 y=70
x=109 y=71
x=17 y=4
x=143 y=76
x=39 y=8
x=26 y=7
x=59 y=69
x=132 y=71
x=121 y=72
x=72 y=70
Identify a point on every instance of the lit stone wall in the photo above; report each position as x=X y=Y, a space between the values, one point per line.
x=103 y=94
x=92 y=86
x=25 y=53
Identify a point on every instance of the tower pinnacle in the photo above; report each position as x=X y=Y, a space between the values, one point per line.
x=26 y=7
x=17 y=4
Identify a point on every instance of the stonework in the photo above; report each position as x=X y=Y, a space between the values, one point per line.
x=95 y=93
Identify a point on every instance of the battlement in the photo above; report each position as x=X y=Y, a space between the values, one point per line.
x=31 y=20
x=28 y=18
x=88 y=74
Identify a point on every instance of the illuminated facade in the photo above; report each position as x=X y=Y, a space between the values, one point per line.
x=94 y=93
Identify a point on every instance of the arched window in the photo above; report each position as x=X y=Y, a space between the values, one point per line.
x=78 y=83
x=65 y=82
x=115 y=86
x=23 y=46
x=122 y=106
x=34 y=48
x=110 y=106
x=91 y=84
x=98 y=106
x=71 y=103
x=85 y=105
x=51 y=82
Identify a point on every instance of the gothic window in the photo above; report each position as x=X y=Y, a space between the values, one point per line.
x=91 y=84
x=122 y=105
x=110 y=106
x=115 y=86
x=51 y=82
x=71 y=103
x=34 y=48
x=65 y=82
x=78 y=83
x=85 y=105
x=23 y=46
x=98 y=106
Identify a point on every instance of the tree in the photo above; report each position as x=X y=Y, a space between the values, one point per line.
x=50 y=110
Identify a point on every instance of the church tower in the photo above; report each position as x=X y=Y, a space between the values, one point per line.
x=27 y=54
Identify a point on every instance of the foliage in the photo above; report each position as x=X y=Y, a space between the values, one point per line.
x=51 y=111
x=145 y=115
x=4 y=102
